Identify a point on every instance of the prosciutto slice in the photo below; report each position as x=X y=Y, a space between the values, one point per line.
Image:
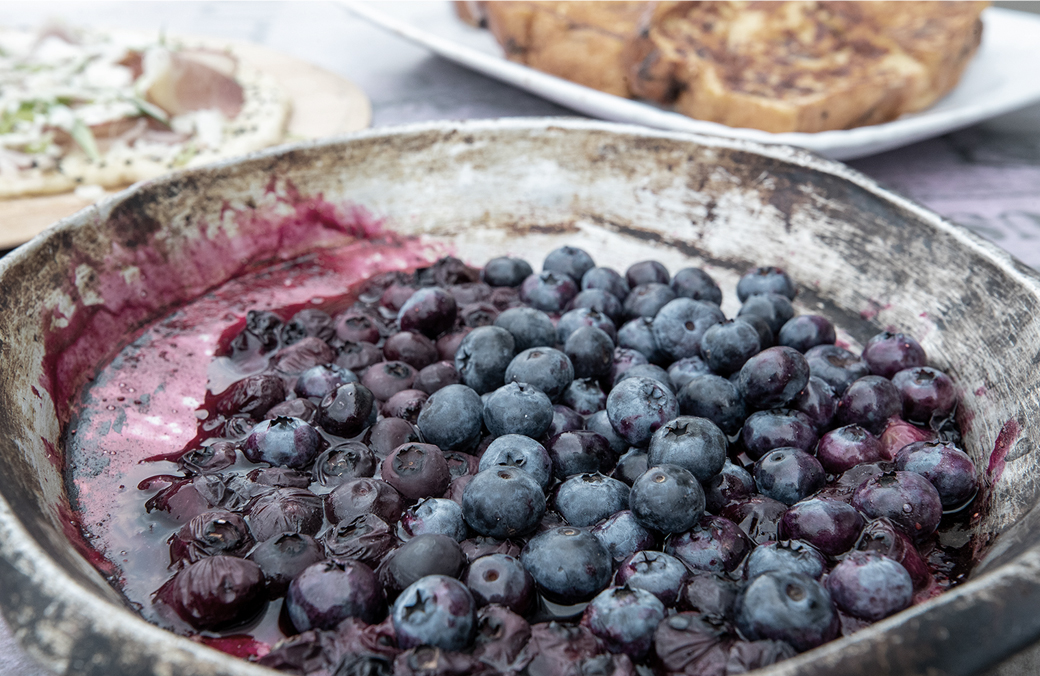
x=198 y=80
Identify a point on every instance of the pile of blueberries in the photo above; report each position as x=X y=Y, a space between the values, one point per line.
x=571 y=472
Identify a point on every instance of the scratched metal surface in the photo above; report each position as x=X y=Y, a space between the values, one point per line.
x=864 y=257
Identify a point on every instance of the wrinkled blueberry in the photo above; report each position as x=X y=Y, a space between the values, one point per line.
x=363 y=496
x=715 y=544
x=758 y=516
x=585 y=396
x=283 y=557
x=285 y=510
x=406 y=404
x=215 y=592
x=709 y=594
x=366 y=538
x=212 y=533
x=434 y=515
x=252 y=396
x=283 y=441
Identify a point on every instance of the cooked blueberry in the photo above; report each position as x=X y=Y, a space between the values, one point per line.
x=501 y=637
x=818 y=402
x=625 y=619
x=586 y=499
x=452 y=418
x=758 y=516
x=773 y=377
x=774 y=308
x=585 y=396
x=285 y=510
x=447 y=271
x=503 y=502
x=506 y=271
x=346 y=411
x=501 y=580
x=806 y=331
x=646 y=300
x=518 y=408
x=366 y=538
x=308 y=323
x=283 y=441
x=660 y=574
x=787 y=607
x=829 y=525
x=412 y=348
x=260 y=333
x=696 y=284
x=216 y=532
x=927 y=393
x=430 y=311
x=521 y=452
x=388 y=434
x=215 y=592
x=388 y=378
x=478 y=314
x=565 y=419
x=363 y=496
x=667 y=498
x=788 y=475
x=481 y=545
x=568 y=564
x=591 y=351
x=461 y=464
x=728 y=345
x=869 y=402
x=470 y=292
x=436 y=610
x=888 y=353
x=436 y=376
x=416 y=471
x=687 y=641
x=835 y=366
x=947 y=467
x=319 y=381
x=448 y=343
x=283 y=557
x=714 y=543
x=358 y=356
x=848 y=481
x=251 y=396
x=695 y=444
x=709 y=595
x=791 y=556
x=208 y=459
x=427 y=554
x=637 y=407
x=766 y=430
x=357 y=326
x=622 y=535
x=304 y=409
x=884 y=537
x=395 y=296
x=870 y=586
x=714 y=398
x=637 y=334
x=842 y=449
x=731 y=485
x=434 y=515
x=548 y=291
x=328 y=592
x=907 y=498
x=406 y=404
x=529 y=328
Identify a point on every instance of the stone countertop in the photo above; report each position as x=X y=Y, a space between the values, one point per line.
x=986 y=177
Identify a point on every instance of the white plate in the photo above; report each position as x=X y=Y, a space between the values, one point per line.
x=1003 y=76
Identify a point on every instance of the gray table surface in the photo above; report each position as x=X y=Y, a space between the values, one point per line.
x=986 y=177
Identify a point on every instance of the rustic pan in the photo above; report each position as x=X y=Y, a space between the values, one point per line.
x=864 y=257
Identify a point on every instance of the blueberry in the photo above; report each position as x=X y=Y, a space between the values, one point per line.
x=731 y=485
x=818 y=402
x=570 y=261
x=283 y=441
x=646 y=272
x=715 y=398
x=622 y=535
x=714 y=544
x=416 y=471
x=448 y=343
x=503 y=502
x=434 y=515
x=591 y=351
x=661 y=574
x=356 y=326
x=414 y=349
x=684 y=370
x=358 y=356
x=468 y=293
x=328 y=592
x=319 y=381
x=689 y=643
x=710 y=595
x=606 y=279
x=947 y=467
x=667 y=498
x=521 y=452
x=548 y=291
x=728 y=345
x=889 y=353
x=788 y=475
x=528 y=326
x=216 y=592
x=209 y=459
x=518 y=408
x=787 y=607
x=601 y=301
x=568 y=564
x=679 y=326
x=546 y=368
x=646 y=300
x=586 y=499
x=696 y=284
x=307 y=323
x=212 y=533
x=835 y=366
x=435 y=611
x=365 y=538
x=478 y=314
x=791 y=556
x=565 y=419
x=481 y=545
x=363 y=496
x=927 y=394
x=625 y=619
x=585 y=396
x=501 y=636
x=765 y=430
x=773 y=377
x=577 y=318
x=423 y=555
x=252 y=396
x=907 y=498
x=506 y=271
x=285 y=510
x=765 y=279
x=483 y=356
x=389 y=433
x=406 y=404
x=430 y=311
x=775 y=309
x=501 y=580
x=842 y=449
x=599 y=423
x=452 y=418
x=870 y=586
x=806 y=331
x=637 y=407
x=695 y=444
x=283 y=557
x=766 y=336
x=651 y=371
x=638 y=335
x=758 y=516
x=436 y=376
x=631 y=466
x=829 y=525
x=869 y=402
x=884 y=537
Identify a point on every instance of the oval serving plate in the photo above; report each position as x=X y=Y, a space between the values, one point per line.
x=865 y=258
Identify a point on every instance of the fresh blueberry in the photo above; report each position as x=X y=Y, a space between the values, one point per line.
x=416 y=471
x=548 y=291
x=436 y=610
x=714 y=544
x=668 y=499
x=947 y=467
x=765 y=430
x=565 y=419
x=684 y=370
x=869 y=402
x=601 y=301
x=766 y=336
x=652 y=371
x=927 y=394
x=483 y=356
x=433 y=515
x=577 y=318
x=599 y=423
x=585 y=396
x=452 y=418
x=679 y=326
x=521 y=452
x=319 y=381
x=328 y=592
x=518 y=408
x=637 y=407
x=907 y=498
x=423 y=555
x=773 y=377
x=818 y=402
x=765 y=279
x=661 y=574
x=835 y=366
x=638 y=335
x=728 y=345
x=568 y=564
x=625 y=619
x=806 y=331
x=889 y=353
x=774 y=308
x=870 y=586
x=842 y=449
x=216 y=592
x=288 y=442
x=622 y=535
x=715 y=398
x=787 y=607
x=570 y=261
x=695 y=444
x=646 y=272
x=646 y=300
x=529 y=327
x=546 y=368
x=829 y=525
x=606 y=279
x=788 y=475
x=591 y=351
x=284 y=557
x=696 y=284
x=503 y=502
x=506 y=271
x=501 y=580
x=790 y=556
x=586 y=499
x=731 y=485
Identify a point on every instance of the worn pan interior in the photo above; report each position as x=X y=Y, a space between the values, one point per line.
x=864 y=257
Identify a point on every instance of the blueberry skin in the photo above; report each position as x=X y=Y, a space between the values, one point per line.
x=646 y=272
x=835 y=366
x=638 y=407
x=947 y=467
x=436 y=376
x=591 y=351
x=806 y=331
x=652 y=371
x=631 y=466
x=569 y=565
x=637 y=334
x=884 y=537
x=518 y=408
x=709 y=595
x=775 y=309
x=546 y=368
x=433 y=515
x=358 y=497
x=601 y=301
x=585 y=396
x=506 y=271
x=667 y=498
x=870 y=586
x=430 y=310
x=572 y=320
x=765 y=279
x=726 y=346
x=773 y=377
x=328 y=592
x=870 y=402
x=789 y=475
x=320 y=380
x=452 y=418
x=646 y=300
x=502 y=580
x=437 y=611
x=503 y=502
x=548 y=291
x=889 y=494
x=695 y=444
x=586 y=499
x=715 y=398
x=790 y=556
x=680 y=325
x=765 y=430
x=285 y=510
x=346 y=411
x=606 y=279
x=842 y=449
x=625 y=618
x=521 y=452
x=927 y=393
x=570 y=261
x=661 y=574
x=287 y=442
x=715 y=544
x=889 y=353
x=696 y=284
x=283 y=558
x=684 y=370
x=622 y=535
x=829 y=525
x=599 y=422
x=818 y=402
x=482 y=357
x=758 y=516
x=528 y=326
x=731 y=485
x=787 y=607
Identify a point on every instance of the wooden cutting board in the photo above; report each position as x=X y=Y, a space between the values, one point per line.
x=323 y=104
